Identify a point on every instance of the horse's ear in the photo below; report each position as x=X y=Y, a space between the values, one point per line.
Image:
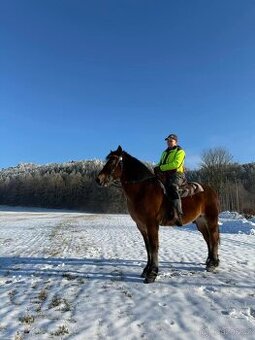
x=119 y=150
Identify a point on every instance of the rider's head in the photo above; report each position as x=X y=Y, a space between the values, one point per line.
x=172 y=140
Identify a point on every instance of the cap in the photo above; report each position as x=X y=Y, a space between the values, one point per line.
x=172 y=136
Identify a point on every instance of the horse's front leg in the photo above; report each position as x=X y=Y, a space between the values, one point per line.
x=146 y=268
x=153 y=245
x=147 y=247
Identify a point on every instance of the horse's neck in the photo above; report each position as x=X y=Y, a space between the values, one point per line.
x=134 y=171
x=133 y=189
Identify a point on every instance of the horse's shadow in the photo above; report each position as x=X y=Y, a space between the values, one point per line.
x=186 y=266
x=87 y=268
x=120 y=270
x=70 y=268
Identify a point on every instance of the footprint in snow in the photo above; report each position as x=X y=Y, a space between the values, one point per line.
x=162 y=304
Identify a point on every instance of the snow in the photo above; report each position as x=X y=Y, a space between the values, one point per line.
x=70 y=275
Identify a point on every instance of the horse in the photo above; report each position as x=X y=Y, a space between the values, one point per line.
x=149 y=207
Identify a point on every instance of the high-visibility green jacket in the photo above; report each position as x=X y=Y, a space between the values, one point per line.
x=172 y=159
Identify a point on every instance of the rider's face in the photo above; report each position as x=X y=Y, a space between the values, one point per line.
x=171 y=142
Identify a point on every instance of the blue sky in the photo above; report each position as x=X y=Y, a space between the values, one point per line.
x=78 y=78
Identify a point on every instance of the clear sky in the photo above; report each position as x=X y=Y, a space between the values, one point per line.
x=78 y=78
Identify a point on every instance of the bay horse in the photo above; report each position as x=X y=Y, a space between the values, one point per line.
x=149 y=207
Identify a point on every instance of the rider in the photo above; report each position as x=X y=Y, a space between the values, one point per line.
x=171 y=165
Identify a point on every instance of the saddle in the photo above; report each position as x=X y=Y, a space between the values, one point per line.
x=190 y=189
x=186 y=189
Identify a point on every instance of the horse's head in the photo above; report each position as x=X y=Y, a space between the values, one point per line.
x=112 y=169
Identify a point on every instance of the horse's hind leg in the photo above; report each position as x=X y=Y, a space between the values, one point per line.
x=214 y=236
x=202 y=227
x=210 y=231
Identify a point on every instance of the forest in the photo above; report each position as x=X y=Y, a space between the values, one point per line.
x=72 y=185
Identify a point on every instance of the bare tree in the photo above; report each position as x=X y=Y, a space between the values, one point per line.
x=216 y=158
x=216 y=165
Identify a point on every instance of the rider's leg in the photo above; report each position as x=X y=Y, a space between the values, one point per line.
x=173 y=194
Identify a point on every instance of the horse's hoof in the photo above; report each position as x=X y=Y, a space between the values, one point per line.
x=149 y=280
x=212 y=265
x=210 y=269
x=145 y=272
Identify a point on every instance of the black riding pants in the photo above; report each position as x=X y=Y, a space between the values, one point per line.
x=173 y=182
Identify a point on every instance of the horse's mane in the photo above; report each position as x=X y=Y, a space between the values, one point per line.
x=134 y=169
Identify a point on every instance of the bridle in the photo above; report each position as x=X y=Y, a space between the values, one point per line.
x=119 y=161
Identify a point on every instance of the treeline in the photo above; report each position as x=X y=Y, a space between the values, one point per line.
x=72 y=186
x=234 y=183
x=69 y=185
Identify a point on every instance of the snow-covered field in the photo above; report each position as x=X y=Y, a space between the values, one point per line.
x=67 y=275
